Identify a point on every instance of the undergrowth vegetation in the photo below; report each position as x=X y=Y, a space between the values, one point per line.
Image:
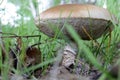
x=100 y=53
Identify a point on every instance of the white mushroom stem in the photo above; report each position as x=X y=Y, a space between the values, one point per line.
x=69 y=55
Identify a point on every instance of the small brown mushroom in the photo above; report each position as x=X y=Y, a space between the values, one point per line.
x=89 y=21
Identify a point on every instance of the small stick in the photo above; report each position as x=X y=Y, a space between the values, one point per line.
x=21 y=36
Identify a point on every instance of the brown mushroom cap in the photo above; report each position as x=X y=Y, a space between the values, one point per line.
x=89 y=21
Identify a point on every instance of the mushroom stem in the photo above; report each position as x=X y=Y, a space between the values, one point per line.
x=69 y=55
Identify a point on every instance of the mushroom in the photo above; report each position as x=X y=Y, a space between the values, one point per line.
x=89 y=21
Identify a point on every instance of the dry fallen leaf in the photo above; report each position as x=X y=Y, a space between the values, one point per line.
x=33 y=56
x=19 y=43
x=63 y=74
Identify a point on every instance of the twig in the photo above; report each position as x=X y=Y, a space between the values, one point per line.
x=21 y=36
x=8 y=33
x=35 y=44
